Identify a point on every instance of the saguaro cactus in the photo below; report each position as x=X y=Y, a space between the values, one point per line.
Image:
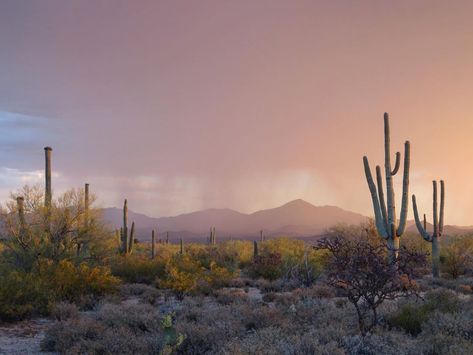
x=181 y=247
x=167 y=237
x=385 y=215
x=153 y=245
x=438 y=225
x=127 y=239
x=255 y=249
x=86 y=206
x=212 y=239
x=261 y=236
x=47 y=174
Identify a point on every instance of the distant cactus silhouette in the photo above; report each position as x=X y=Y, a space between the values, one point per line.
x=385 y=216
x=255 y=249
x=438 y=225
x=167 y=237
x=213 y=238
x=47 y=174
x=86 y=206
x=153 y=245
x=181 y=247
x=261 y=236
x=127 y=239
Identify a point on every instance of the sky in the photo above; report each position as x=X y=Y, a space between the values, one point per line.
x=185 y=105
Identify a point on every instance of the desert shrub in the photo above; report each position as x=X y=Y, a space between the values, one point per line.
x=55 y=233
x=448 y=333
x=267 y=265
x=359 y=270
x=186 y=275
x=23 y=294
x=411 y=316
x=64 y=310
x=137 y=269
x=137 y=329
x=230 y=295
x=456 y=256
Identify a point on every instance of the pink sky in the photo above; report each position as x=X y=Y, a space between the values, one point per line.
x=183 y=105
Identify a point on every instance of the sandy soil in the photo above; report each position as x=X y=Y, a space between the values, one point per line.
x=23 y=337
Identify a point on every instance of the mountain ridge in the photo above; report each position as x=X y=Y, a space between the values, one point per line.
x=294 y=218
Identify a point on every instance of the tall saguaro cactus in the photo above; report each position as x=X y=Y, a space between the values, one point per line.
x=255 y=249
x=438 y=225
x=47 y=175
x=385 y=211
x=127 y=239
x=181 y=247
x=86 y=206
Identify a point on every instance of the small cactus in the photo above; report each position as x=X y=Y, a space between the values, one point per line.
x=181 y=247
x=261 y=236
x=255 y=249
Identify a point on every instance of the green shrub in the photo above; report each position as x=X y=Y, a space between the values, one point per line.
x=24 y=294
x=137 y=269
x=186 y=275
x=410 y=317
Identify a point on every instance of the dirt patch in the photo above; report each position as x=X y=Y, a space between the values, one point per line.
x=23 y=337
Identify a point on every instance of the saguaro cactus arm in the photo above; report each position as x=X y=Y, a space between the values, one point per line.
x=422 y=230
x=380 y=224
x=397 y=164
x=379 y=180
x=436 y=227
x=405 y=189
x=388 y=171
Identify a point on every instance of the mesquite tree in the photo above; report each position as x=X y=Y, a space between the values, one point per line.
x=385 y=211
x=438 y=225
x=358 y=269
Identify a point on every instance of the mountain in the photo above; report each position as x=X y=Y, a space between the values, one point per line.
x=295 y=218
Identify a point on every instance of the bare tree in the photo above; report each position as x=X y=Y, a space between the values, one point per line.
x=360 y=271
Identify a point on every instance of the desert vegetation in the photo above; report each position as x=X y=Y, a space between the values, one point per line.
x=358 y=290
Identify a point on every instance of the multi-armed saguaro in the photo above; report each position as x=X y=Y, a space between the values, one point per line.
x=438 y=226
x=385 y=215
x=127 y=239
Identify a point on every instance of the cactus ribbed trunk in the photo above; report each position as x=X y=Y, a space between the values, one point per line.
x=385 y=210
x=125 y=228
x=132 y=238
x=435 y=257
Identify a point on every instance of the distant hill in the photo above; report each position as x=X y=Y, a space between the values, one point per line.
x=296 y=218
